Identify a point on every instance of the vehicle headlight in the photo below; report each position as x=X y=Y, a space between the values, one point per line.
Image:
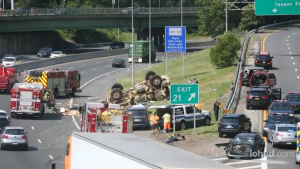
x=292 y=114
x=266 y=128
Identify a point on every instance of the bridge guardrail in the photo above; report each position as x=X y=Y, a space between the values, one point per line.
x=243 y=54
x=98 y=11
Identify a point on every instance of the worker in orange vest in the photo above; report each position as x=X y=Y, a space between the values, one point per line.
x=154 y=122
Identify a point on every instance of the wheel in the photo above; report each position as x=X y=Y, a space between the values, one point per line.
x=112 y=66
x=156 y=81
x=229 y=157
x=117 y=86
x=116 y=94
x=274 y=144
x=2 y=147
x=268 y=140
x=297 y=163
x=182 y=125
x=25 y=148
x=247 y=107
x=249 y=130
x=149 y=74
x=73 y=93
x=220 y=134
x=207 y=121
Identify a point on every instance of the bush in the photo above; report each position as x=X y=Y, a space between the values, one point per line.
x=224 y=54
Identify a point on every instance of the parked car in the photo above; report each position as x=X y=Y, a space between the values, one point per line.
x=234 y=124
x=118 y=63
x=56 y=54
x=140 y=115
x=14 y=137
x=45 y=52
x=117 y=45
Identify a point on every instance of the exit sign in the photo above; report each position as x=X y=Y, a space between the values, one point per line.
x=277 y=7
x=184 y=94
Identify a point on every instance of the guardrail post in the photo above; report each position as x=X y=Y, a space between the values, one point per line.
x=53 y=165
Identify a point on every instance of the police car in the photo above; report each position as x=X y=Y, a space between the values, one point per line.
x=281 y=108
x=263 y=59
x=294 y=100
x=184 y=115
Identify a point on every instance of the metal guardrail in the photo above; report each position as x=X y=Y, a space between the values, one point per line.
x=97 y=11
x=243 y=54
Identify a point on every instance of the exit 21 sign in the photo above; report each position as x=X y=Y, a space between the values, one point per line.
x=184 y=94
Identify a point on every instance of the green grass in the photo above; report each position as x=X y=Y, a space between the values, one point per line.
x=214 y=83
x=126 y=36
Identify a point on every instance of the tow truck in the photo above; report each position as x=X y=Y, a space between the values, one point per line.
x=257 y=77
x=8 y=78
x=61 y=82
x=105 y=118
x=27 y=99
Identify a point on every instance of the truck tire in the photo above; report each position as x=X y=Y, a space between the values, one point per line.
x=156 y=81
x=116 y=94
x=148 y=74
x=117 y=86
x=182 y=125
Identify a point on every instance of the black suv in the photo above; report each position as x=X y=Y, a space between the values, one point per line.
x=258 y=97
x=234 y=124
x=117 y=45
x=45 y=52
x=264 y=59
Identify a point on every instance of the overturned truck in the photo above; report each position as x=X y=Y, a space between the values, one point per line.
x=153 y=88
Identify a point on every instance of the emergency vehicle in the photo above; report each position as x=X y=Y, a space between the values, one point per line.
x=257 y=78
x=27 y=99
x=263 y=59
x=8 y=78
x=297 y=156
x=119 y=123
x=61 y=82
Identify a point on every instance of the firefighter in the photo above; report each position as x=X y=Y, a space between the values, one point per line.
x=47 y=95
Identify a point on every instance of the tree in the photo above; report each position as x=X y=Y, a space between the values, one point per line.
x=249 y=21
x=225 y=52
x=212 y=17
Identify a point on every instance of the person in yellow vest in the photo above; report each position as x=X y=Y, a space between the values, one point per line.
x=167 y=121
x=154 y=122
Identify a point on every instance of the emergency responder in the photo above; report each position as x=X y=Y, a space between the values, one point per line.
x=195 y=80
x=198 y=106
x=167 y=121
x=216 y=109
x=154 y=122
x=232 y=87
x=47 y=95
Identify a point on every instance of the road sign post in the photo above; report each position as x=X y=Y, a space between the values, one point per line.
x=274 y=7
x=175 y=41
x=184 y=94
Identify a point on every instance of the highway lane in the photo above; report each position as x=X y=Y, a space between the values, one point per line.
x=286 y=50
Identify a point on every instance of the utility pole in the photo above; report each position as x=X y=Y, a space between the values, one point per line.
x=226 y=16
x=118 y=28
x=150 y=36
x=132 y=33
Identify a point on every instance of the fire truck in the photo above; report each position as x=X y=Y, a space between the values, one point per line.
x=8 y=78
x=27 y=99
x=94 y=120
x=61 y=82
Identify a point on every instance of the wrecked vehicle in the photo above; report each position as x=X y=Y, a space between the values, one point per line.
x=153 y=88
x=256 y=76
x=245 y=145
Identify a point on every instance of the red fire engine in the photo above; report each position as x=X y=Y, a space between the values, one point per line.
x=8 y=78
x=118 y=124
x=26 y=99
x=61 y=82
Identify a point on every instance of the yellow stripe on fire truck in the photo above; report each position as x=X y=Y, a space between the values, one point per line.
x=27 y=79
x=42 y=81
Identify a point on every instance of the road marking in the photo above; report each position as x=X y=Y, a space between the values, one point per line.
x=82 y=65
x=98 y=62
x=287 y=40
x=94 y=69
x=288 y=44
x=50 y=156
x=298 y=77
x=256 y=166
x=73 y=118
x=240 y=162
x=294 y=63
x=264 y=42
x=290 y=52
x=71 y=68
x=39 y=141
x=219 y=159
x=292 y=58
x=81 y=72
x=296 y=70
x=106 y=66
x=32 y=127
x=288 y=36
x=293 y=33
x=289 y=48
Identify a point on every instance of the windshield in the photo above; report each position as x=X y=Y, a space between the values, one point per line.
x=8 y=55
x=57 y=52
x=14 y=131
x=278 y=119
x=137 y=112
x=3 y=114
x=243 y=139
x=36 y=73
x=293 y=97
x=288 y=129
x=117 y=60
x=258 y=93
x=263 y=57
x=229 y=120
x=281 y=106
x=45 y=49
x=9 y=59
x=4 y=122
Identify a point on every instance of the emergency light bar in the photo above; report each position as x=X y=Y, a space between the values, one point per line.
x=284 y=114
x=263 y=53
x=281 y=101
x=294 y=92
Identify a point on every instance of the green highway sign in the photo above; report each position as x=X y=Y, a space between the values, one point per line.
x=277 y=7
x=184 y=94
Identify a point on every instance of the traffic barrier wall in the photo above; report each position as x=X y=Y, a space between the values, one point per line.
x=235 y=95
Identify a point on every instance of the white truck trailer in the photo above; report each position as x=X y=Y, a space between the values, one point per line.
x=116 y=151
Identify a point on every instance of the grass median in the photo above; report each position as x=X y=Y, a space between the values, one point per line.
x=214 y=83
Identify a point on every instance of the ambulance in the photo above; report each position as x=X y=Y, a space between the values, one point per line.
x=61 y=82
x=105 y=118
x=27 y=99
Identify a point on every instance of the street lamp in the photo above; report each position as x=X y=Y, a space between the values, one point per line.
x=181 y=22
x=132 y=32
x=150 y=38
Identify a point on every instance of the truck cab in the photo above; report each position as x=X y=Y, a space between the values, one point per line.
x=184 y=115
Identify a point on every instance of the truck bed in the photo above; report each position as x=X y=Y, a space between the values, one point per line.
x=138 y=151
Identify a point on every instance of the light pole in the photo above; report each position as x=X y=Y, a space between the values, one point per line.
x=150 y=38
x=118 y=28
x=132 y=32
x=181 y=22
x=226 y=15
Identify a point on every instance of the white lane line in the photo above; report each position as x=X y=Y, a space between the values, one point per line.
x=288 y=44
x=50 y=156
x=289 y=48
x=98 y=62
x=298 y=77
x=81 y=72
x=292 y=58
x=32 y=127
x=263 y=164
x=106 y=66
x=288 y=36
x=71 y=68
x=219 y=159
x=94 y=69
x=73 y=118
x=296 y=70
x=250 y=167
x=287 y=40
x=293 y=33
x=294 y=63
x=290 y=52
x=39 y=141
x=82 y=65
x=240 y=162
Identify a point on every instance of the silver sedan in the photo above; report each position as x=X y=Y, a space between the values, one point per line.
x=282 y=134
x=14 y=137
